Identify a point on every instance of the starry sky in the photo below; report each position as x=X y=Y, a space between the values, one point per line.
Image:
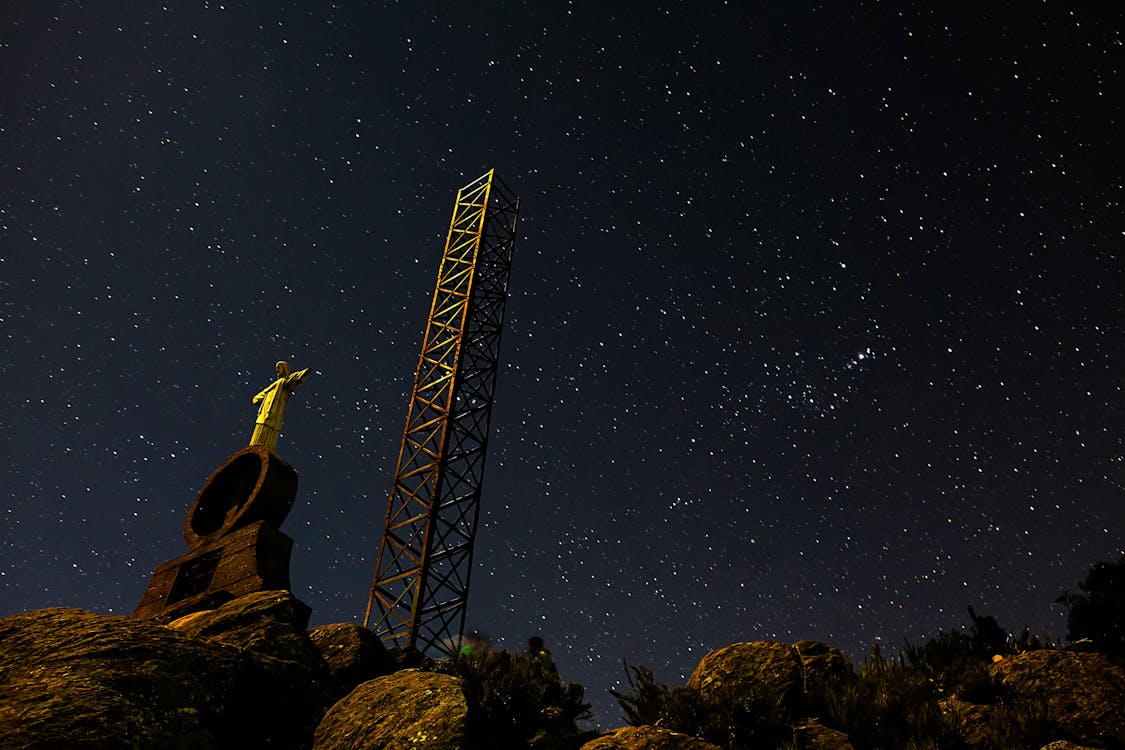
x=815 y=326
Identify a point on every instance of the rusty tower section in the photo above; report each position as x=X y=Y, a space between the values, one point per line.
x=421 y=585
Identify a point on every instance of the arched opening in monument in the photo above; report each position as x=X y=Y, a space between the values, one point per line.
x=226 y=494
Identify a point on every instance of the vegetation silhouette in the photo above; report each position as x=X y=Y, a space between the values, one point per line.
x=1096 y=619
x=516 y=702
x=901 y=703
x=908 y=702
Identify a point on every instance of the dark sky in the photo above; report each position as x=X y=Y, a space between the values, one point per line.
x=816 y=324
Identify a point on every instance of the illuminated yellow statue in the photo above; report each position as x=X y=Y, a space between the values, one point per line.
x=273 y=400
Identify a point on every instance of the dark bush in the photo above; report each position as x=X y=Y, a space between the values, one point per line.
x=1028 y=642
x=986 y=637
x=949 y=656
x=646 y=700
x=737 y=720
x=753 y=719
x=943 y=657
x=978 y=685
x=518 y=703
x=887 y=707
x=1099 y=614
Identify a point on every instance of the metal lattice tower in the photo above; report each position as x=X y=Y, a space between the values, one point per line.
x=421 y=586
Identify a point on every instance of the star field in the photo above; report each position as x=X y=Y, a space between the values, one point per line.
x=815 y=326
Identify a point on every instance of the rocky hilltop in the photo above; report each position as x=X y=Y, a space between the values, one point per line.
x=249 y=674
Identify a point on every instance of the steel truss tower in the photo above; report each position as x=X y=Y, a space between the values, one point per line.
x=421 y=586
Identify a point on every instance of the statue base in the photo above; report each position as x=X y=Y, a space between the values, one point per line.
x=252 y=558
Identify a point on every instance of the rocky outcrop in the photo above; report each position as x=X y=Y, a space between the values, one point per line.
x=270 y=626
x=243 y=673
x=266 y=623
x=405 y=709
x=975 y=723
x=1038 y=695
x=248 y=674
x=73 y=679
x=647 y=738
x=812 y=735
x=1083 y=694
x=753 y=668
x=353 y=653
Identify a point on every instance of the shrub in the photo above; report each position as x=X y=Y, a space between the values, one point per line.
x=978 y=685
x=644 y=703
x=1099 y=614
x=887 y=707
x=941 y=658
x=1028 y=642
x=746 y=718
x=517 y=703
x=950 y=656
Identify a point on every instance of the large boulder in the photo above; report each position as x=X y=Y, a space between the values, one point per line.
x=353 y=653
x=293 y=683
x=647 y=738
x=1081 y=693
x=763 y=669
x=74 y=679
x=400 y=710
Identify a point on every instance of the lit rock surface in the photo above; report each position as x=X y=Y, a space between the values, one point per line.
x=1084 y=693
x=353 y=653
x=647 y=738
x=268 y=623
x=73 y=679
x=402 y=710
x=741 y=668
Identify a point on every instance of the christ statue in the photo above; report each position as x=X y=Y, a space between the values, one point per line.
x=273 y=400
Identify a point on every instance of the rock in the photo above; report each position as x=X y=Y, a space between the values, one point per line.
x=1083 y=693
x=210 y=600
x=812 y=735
x=267 y=623
x=1064 y=745
x=293 y=682
x=408 y=657
x=647 y=738
x=750 y=668
x=975 y=723
x=1044 y=695
x=353 y=653
x=822 y=660
x=74 y=679
x=821 y=664
x=401 y=710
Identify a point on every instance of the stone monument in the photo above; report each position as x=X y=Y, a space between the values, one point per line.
x=232 y=528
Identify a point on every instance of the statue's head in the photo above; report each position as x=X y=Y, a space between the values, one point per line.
x=282 y=369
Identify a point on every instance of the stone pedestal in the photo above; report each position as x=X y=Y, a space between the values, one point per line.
x=232 y=530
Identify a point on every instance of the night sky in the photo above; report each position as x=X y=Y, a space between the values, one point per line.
x=815 y=328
